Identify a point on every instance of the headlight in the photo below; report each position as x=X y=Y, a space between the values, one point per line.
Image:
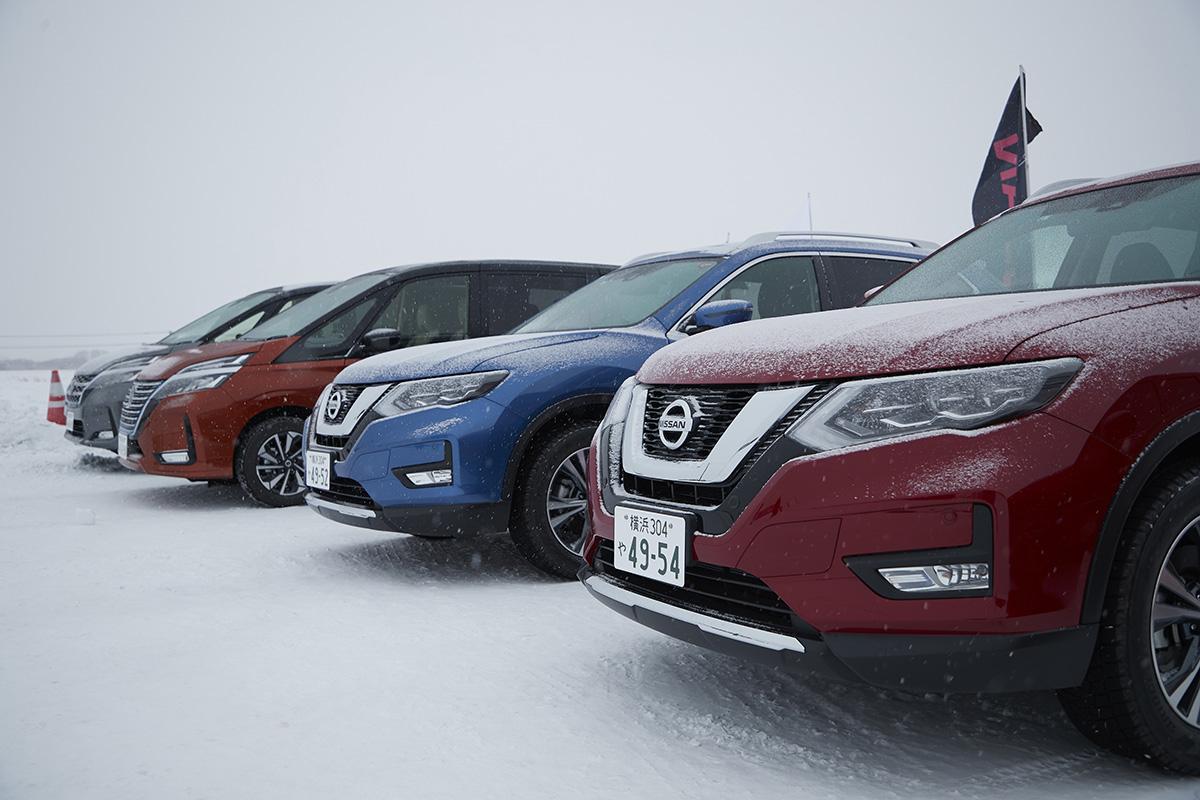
x=447 y=391
x=882 y=408
x=205 y=375
x=128 y=368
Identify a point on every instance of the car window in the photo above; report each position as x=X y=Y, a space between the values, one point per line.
x=851 y=277
x=198 y=329
x=775 y=287
x=311 y=310
x=513 y=297
x=426 y=310
x=1137 y=233
x=621 y=298
x=237 y=330
x=335 y=337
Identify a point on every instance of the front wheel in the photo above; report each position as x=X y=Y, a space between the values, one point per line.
x=550 y=523
x=270 y=462
x=1141 y=696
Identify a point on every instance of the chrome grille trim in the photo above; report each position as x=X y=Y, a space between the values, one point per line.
x=134 y=405
x=77 y=387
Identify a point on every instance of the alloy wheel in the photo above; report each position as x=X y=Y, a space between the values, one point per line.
x=1175 y=625
x=280 y=464
x=566 y=503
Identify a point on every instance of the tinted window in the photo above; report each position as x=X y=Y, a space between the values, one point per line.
x=850 y=277
x=1141 y=233
x=429 y=310
x=776 y=287
x=513 y=297
x=307 y=312
x=621 y=298
x=335 y=337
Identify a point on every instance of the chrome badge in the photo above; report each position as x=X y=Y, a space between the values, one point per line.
x=675 y=424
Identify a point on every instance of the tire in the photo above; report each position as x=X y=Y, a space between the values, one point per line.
x=256 y=464
x=1123 y=704
x=553 y=472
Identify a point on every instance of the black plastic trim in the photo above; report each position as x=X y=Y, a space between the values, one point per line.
x=980 y=549
x=447 y=462
x=1150 y=459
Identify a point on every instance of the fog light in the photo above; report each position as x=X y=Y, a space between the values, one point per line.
x=104 y=435
x=939 y=577
x=434 y=477
x=175 y=457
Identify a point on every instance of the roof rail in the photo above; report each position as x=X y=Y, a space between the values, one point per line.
x=783 y=236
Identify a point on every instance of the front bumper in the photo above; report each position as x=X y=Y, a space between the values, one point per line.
x=913 y=663
x=98 y=416
x=370 y=470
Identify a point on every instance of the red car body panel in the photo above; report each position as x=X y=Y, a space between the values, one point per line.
x=218 y=416
x=1049 y=478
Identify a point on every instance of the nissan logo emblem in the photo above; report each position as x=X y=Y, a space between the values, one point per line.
x=333 y=406
x=675 y=424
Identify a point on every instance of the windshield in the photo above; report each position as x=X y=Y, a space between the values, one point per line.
x=214 y=320
x=1140 y=233
x=305 y=313
x=621 y=298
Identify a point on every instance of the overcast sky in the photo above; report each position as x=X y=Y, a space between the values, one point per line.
x=159 y=158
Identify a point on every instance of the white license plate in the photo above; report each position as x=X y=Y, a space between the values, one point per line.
x=316 y=470
x=123 y=445
x=70 y=421
x=650 y=544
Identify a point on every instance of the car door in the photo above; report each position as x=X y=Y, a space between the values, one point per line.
x=426 y=309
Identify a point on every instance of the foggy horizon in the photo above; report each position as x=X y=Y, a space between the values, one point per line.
x=162 y=159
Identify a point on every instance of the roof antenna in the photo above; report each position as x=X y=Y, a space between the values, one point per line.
x=727 y=237
x=810 y=225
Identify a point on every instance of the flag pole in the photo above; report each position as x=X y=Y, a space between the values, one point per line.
x=1024 y=131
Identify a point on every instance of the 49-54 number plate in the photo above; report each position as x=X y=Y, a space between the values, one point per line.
x=650 y=544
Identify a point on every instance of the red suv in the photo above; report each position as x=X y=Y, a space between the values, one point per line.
x=986 y=479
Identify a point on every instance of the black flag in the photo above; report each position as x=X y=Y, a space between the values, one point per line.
x=1005 y=179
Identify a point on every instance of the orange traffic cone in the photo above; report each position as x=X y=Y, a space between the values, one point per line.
x=55 y=412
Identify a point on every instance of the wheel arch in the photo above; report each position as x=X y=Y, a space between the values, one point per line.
x=1178 y=441
x=584 y=407
x=299 y=412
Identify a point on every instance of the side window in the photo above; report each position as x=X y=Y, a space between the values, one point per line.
x=776 y=287
x=334 y=338
x=514 y=297
x=850 y=277
x=242 y=327
x=427 y=310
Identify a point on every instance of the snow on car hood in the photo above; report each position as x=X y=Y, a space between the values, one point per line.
x=109 y=358
x=451 y=358
x=889 y=338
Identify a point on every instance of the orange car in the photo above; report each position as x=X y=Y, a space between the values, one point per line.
x=236 y=410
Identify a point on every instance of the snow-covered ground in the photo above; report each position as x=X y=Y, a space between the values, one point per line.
x=166 y=640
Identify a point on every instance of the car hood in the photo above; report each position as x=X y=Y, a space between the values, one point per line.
x=110 y=358
x=450 y=358
x=169 y=364
x=890 y=338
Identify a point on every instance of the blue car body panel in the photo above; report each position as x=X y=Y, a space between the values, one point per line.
x=548 y=373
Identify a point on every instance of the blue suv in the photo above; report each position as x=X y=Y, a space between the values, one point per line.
x=492 y=434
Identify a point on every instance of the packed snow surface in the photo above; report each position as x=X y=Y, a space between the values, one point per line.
x=160 y=639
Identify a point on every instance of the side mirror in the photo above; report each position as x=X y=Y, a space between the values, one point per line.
x=718 y=314
x=381 y=340
x=869 y=293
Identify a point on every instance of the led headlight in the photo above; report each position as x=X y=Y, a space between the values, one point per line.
x=129 y=368
x=882 y=408
x=447 y=391
x=205 y=375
